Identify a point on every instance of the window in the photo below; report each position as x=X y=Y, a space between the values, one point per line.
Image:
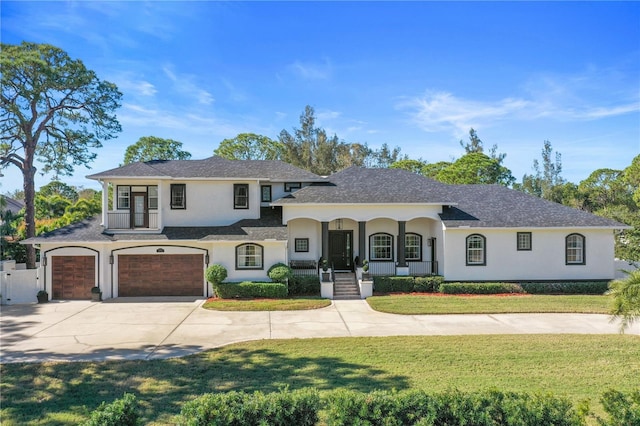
x=381 y=247
x=265 y=191
x=123 y=197
x=476 y=250
x=249 y=256
x=178 y=196
x=241 y=196
x=524 y=240
x=574 y=249
x=302 y=245
x=291 y=186
x=152 y=193
x=413 y=247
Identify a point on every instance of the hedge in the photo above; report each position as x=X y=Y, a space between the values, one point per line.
x=121 y=412
x=298 y=407
x=249 y=289
x=280 y=273
x=406 y=284
x=307 y=285
x=623 y=409
x=566 y=287
x=416 y=407
x=480 y=288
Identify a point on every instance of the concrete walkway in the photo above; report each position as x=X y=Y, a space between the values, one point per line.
x=153 y=328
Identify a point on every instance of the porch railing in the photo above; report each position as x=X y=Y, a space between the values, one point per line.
x=304 y=267
x=122 y=220
x=421 y=269
x=378 y=268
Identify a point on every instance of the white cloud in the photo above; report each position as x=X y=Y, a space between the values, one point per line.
x=312 y=71
x=185 y=85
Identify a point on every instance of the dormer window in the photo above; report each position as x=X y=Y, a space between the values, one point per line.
x=241 y=196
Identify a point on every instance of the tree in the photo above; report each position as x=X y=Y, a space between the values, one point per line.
x=431 y=170
x=249 y=146
x=309 y=147
x=409 y=165
x=626 y=299
x=56 y=187
x=153 y=148
x=544 y=182
x=476 y=168
x=605 y=188
x=632 y=177
x=54 y=110
x=385 y=156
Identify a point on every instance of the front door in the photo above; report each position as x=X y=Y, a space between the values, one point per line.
x=341 y=250
x=139 y=213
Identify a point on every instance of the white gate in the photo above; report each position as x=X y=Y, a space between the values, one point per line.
x=19 y=286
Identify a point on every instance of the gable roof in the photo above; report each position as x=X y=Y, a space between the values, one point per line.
x=210 y=168
x=356 y=185
x=496 y=206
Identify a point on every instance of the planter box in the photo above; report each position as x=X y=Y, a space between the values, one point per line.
x=326 y=290
x=366 y=288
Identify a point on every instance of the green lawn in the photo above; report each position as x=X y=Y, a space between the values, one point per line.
x=449 y=304
x=293 y=304
x=577 y=366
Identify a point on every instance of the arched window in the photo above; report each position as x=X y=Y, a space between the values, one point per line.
x=574 y=249
x=381 y=247
x=476 y=250
x=249 y=256
x=413 y=247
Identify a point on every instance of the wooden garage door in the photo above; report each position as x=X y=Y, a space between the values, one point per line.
x=73 y=276
x=160 y=275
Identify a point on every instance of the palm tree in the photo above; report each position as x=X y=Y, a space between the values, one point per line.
x=626 y=299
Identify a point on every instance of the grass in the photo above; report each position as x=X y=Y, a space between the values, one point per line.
x=418 y=304
x=293 y=304
x=576 y=366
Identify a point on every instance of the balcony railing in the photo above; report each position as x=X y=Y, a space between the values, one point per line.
x=380 y=268
x=122 y=220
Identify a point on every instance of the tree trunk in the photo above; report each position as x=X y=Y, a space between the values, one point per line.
x=28 y=174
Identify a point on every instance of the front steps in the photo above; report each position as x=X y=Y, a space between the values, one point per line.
x=345 y=286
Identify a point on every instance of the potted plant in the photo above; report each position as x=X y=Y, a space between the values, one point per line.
x=96 y=294
x=365 y=270
x=325 y=271
x=43 y=296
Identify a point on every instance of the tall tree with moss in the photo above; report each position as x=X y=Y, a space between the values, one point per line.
x=54 y=111
x=149 y=148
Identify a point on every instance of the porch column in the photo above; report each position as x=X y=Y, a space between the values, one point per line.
x=362 y=242
x=325 y=241
x=401 y=237
x=105 y=204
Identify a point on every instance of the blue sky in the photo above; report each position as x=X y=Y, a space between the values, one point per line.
x=416 y=75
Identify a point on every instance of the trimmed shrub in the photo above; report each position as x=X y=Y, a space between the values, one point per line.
x=250 y=289
x=450 y=408
x=299 y=407
x=480 y=288
x=121 y=412
x=393 y=284
x=623 y=408
x=427 y=284
x=566 y=287
x=216 y=274
x=307 y=285
x=280 y=273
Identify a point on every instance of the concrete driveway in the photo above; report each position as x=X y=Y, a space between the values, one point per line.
x=150 y=328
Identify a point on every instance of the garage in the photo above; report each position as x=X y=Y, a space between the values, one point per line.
x=160 y=275
x=73 y=277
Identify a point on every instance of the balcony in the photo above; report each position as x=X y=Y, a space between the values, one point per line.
x=123 y=220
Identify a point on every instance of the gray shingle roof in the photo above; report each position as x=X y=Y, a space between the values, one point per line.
x=268 y=227
x=370 y=186
x=213 y=167
x=497 y=206
x=14 y=206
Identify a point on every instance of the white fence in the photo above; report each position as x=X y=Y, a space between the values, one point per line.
x=19 y=286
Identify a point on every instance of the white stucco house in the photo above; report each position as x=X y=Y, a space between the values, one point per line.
x=169 y=220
